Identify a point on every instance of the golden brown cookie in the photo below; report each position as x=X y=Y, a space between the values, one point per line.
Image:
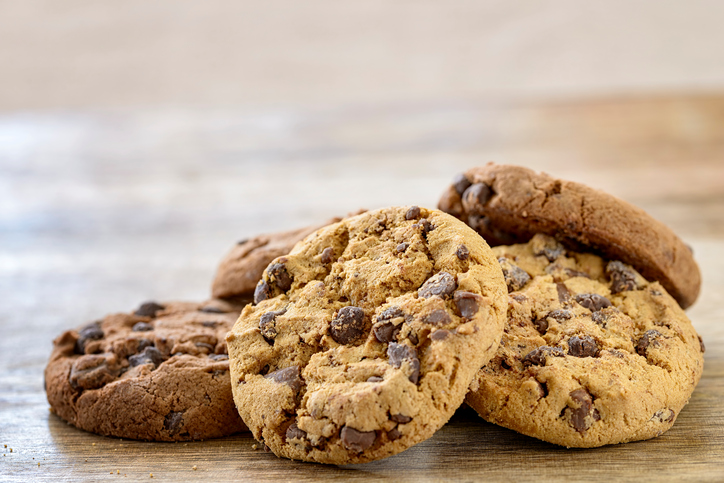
x=592 y=353
x=159 y=374
x=363 y=340
x=510 y=204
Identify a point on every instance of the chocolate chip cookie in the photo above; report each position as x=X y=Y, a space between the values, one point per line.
x=592 y=353
x=510 y=204
x=160 y=373
x=363 y=340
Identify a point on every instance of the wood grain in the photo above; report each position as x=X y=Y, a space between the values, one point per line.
x=104 y=210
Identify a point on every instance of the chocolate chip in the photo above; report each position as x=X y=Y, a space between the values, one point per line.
x=289 y=376
x=649 y=337
x=440 y=284
x=279 y=276
x=375 y=379
x=582 y=346
x=267 y=324
x=400 y=418
x=91 y=372
x=559 y=314
x=701 y=344
x=142 y=327
x=142 y=344
x=357 y=441
x=437 y=317
x=262 y=292
x=623 y=278
x=563 y=294
x=402 y=247
x=467 y=304
x=397 y=353
x=475 y=197
x=390 y=313
x=582 y=417
x=592 y=301
x=462 y=252
x=149 y=309
x=173 y=422
x=293 y=432
x=413 y=213
x=541 y=325
x=394 y=434
x=537 y=357
x=601 y=317
x=219 y=357
x=347 y=325
x=548 y=247
x=150 y=355
x=89 y=332
x=212 y=310
x=665 y=415
x=412 y=338
x=441 y=334
x=461 y=183
x=327 y=255
x=425 y=226
x=515 y=277
x=386 y=332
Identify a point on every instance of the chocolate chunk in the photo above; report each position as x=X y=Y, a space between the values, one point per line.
x=559 y=314
x=601 y=317
x=440 y=284
x=143 y=343
x=390 y=313
x=462 y=252
x=402 y=247
x=582 y=346
x=357 y=441
x=142 y=327
x=563 y=294
x=623 y=278
x=467 y=304
x=394 y=434
x=279 y=276
x=386 y=332
x=441 y=334
x=212 y=310
x=327 y=255
x=413 y=213
x=437 y=317
x=400 y=418
x=537 y=357
x=293 y=432
x=479 y=223
x=347 y=325
x=289 y=376
x=92 y=371
x=173 y=422
x=149 y=309
x=262 y=292
x=219 y=357
x=267 y=324
x=592 y=301
x=397 y=353
x=475 y=197
x=375 y=379
x=425 y=226
x=461 y=183
x=701 y=344
x=582 y=417
x=649 y=337
x=89 y=332
x=548 y=247
x=541 y=325
x=515 y=277
x=150 y=355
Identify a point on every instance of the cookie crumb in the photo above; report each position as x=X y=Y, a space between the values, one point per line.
x=93 y=444
x=254 y=447
x=11 y=450
x=6 y=446
x=118 y=472
x=194 y=467
x=150 y=475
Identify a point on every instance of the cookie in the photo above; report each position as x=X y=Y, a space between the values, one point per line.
x=592 y=353
x=510 y=204
x=159 y=374
x=363 y=340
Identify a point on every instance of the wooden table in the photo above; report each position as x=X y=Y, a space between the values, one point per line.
x=103 y=210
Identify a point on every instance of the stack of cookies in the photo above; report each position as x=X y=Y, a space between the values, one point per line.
x=364 y=335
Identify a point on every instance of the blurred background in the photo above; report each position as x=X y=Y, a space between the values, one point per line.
x=139 y=140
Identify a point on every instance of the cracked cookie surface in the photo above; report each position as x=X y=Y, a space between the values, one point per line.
x=160 y=373
x=363 y=340
x=510 y=204
x=592 y=353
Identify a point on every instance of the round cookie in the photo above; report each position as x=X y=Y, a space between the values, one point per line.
x=363 y=340
x=592 y=353
x=159 y=374
x=510 y=204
